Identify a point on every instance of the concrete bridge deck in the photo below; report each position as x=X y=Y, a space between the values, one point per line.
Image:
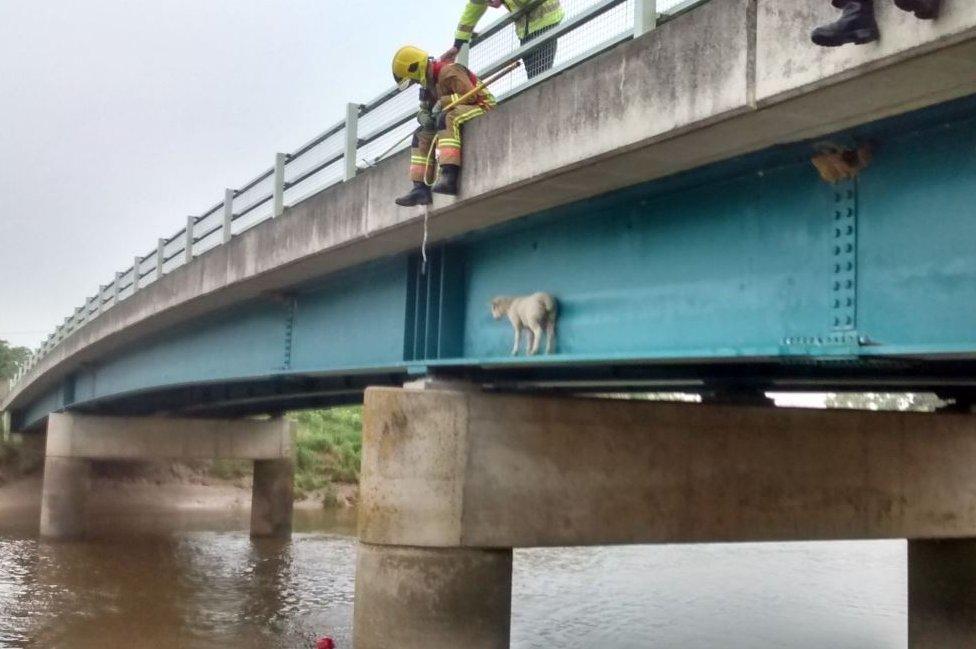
x=730 y=78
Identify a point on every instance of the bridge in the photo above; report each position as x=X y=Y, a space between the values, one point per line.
x=660 y=185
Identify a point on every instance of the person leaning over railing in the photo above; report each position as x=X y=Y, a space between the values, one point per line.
x=545 y=15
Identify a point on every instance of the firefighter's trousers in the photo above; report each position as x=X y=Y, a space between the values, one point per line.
x=448 y=142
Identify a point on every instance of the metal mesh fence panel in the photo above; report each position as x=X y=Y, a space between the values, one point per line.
x=253 y=205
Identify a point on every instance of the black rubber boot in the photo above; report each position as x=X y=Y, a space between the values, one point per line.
x=448 y=184
x=419 y=195
x=924 y=9
x=856 y=25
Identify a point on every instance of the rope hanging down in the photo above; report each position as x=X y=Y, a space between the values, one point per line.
x=514 y=65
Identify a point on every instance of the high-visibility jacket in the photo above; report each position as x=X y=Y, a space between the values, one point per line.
x=547 y=14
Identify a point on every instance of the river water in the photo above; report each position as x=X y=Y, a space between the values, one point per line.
x=199 y=589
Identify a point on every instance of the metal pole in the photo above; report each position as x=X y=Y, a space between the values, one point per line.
x=135 y=274
x=464 y=54
x=279 y=184
x=117 y=287
x=160 y=257
x=188 y=241
x=352 y=140
x=645 y=16
x=226 y=232
x=101 y=291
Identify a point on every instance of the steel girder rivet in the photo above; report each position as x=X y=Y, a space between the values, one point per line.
x=836 y=322
x=850 y=193
x=836 y=268
x=849 y=247
x=850 y=229
x=836 y=286
x=836 y=304
x=850 y=301
x=850 y=283
x=836 y=250
x=837 y=233
x=850 y=265
x=850 y=320
x=837 y=197
x=837 y=215
x=850 y=212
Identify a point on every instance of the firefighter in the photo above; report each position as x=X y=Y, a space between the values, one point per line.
x=857 y=24
x=441 y=83
x=544 y=17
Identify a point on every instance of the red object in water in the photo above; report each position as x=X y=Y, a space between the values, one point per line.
x=325 y=643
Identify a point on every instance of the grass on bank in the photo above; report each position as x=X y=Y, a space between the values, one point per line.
x=328 y=449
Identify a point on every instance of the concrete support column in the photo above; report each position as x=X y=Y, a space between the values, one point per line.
x=434 y=598
x=73 y=441
x=272 y=498
x=942 y=594
x=65 y=490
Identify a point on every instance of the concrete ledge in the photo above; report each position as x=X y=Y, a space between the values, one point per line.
x=148 y=438
x=460 y=469
x=729 y=78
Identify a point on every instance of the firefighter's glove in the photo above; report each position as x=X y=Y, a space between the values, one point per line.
x=427 y=121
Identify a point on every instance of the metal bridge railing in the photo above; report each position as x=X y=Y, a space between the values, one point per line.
x=336 y=155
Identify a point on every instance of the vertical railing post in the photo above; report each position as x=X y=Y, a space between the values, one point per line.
x=226 y=231
x=117 y=288
x=645 y=16
x=279 y=185
x=188 y=240
x=464 y=54
x=101 y=304
x=135 y=274
x=352 y=140
x=160 y=257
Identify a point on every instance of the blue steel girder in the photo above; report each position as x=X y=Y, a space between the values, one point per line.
x=746 y=265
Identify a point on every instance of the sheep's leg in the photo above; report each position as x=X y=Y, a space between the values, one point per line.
x=518 y=338
x=536 y=338
x=550 y=336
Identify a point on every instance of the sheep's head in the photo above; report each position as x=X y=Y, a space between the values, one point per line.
x=497 y=308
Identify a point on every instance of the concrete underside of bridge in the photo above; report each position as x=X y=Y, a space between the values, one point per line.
x=74 y=441
x=663 y=191
x=453 y=480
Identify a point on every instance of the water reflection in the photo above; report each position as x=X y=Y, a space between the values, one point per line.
x=195 y=590
x=207 y=590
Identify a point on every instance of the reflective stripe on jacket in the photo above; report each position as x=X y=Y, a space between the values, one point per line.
x=547 y=14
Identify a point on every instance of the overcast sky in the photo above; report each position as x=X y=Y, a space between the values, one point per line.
x=118 y=118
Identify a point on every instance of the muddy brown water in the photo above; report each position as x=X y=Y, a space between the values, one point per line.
x=204 y=584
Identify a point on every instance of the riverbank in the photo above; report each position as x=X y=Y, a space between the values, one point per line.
x=328 y=448
x=143 y=504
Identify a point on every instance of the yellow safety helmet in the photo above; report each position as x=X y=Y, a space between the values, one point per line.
x=409 y=65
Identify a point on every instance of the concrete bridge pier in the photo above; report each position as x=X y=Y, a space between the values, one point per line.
x=942 y=593
x=437 y=598
x=74 y=441
x=453 y=479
